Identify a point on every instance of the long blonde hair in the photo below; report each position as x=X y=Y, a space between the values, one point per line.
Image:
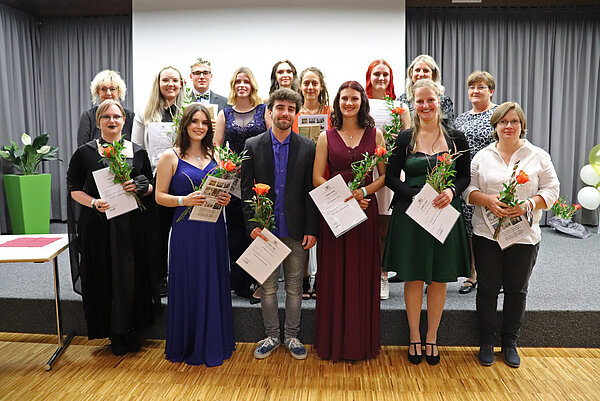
x=426 y=83
x=156 y=103
x=254 y=98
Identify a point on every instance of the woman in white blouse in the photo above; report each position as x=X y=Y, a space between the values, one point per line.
x=510 y=267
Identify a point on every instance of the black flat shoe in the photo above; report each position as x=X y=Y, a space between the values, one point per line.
x=511 y=357
x=432 y=359
x=133 y=344
x=416 y=358
x=465 y=289
x=118 y=344
x=486 y=355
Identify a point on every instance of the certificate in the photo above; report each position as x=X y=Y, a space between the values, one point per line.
x=311 y=126
x=263 y=257
x=119 y=200
x=330 y=198
x=161 y=137
x=210 y=210
x=437 y=222
x=513 y=229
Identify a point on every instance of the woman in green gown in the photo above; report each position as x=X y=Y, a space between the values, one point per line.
x=411 y=251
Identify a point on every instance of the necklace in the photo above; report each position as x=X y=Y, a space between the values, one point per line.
x=482 y=111
x=197 y=157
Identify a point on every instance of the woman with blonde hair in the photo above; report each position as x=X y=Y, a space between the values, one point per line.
x=164 y=104
x=107 y=84
x=416 y=255
x=424 y=66
x=246 y=118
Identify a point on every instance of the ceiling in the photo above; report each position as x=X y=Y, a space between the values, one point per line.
x=80 y=8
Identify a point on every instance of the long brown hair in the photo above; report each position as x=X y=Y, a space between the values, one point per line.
x=364 y=118
x=183 y=141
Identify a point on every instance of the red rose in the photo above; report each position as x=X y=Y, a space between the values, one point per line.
x=522 y=178
x=108 y=151
x=443 y=157
x=577 y=206
x=380 y=151
x=261 y=189
x=398 y=110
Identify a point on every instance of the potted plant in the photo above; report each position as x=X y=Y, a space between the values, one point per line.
x=28 y=193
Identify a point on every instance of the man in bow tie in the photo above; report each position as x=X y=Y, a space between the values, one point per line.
x=201 y=75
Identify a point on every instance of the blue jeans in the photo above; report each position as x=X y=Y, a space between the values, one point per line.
x=293 y=272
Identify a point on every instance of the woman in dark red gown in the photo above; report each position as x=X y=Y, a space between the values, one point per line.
x=347 y=311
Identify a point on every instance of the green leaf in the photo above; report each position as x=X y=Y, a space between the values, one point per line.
x=41 y=140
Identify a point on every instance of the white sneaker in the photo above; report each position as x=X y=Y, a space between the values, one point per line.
x=385 y=288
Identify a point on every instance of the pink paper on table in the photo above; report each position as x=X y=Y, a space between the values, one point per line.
x=28 y=242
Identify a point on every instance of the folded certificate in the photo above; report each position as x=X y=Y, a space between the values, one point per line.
x=210 y=210
x=161 y=137
x=513 y=229
x=119 y=200
x=311 y=126
x=330 y=198
x=263 y=257
x=437 y=222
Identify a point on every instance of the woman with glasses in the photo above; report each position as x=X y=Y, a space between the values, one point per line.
x=116 y=282
x=475 y=124
x=509 y=267
x=106 y=84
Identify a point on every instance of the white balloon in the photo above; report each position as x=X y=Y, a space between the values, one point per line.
x=589 y=198
x=589 y=175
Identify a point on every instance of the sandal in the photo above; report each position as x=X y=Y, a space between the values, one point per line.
x=465 y=289
x=432 y=359
x=313 y=293
x=306 y=287
x=415 y=358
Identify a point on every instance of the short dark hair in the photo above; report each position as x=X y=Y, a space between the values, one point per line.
x=285 y=94
x=364 y=118
x=183 y=137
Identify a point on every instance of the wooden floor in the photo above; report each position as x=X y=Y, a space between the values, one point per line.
x=88 y=371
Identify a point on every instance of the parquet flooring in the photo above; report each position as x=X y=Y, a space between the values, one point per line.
x=88 y=371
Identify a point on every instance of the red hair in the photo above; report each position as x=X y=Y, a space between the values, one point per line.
x=390 y=89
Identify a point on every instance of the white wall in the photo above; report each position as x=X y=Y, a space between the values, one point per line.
x=341 y=37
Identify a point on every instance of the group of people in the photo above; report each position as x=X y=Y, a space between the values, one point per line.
x=123 y=259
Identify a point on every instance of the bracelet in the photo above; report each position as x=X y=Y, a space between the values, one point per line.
x=453 y=192
x=364 y=192
x=533 y=204
x=94 y=203
x=180 y=200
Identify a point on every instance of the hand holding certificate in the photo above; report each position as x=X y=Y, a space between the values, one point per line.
x=438 y=222
x=119 y=200
x=331 y=199
x=262 y=257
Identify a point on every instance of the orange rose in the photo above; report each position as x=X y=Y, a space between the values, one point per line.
x=228 y=165
x=108 y=151
x=577 y=206
x=261 y=189
x=380 y=151
x=398 y=110
x=443 y=157
x=522 y=178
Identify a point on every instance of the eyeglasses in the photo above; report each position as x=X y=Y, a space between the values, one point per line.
x=514 y=123
x=116 y=117
x=105 y=89
x=200 y=73
x=479 y=88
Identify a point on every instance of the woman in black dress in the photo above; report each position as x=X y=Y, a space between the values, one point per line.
x=116 y=278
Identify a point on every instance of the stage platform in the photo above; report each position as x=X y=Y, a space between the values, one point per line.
x=563 y=305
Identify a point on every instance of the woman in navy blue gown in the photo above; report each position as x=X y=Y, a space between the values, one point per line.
x=199 y=316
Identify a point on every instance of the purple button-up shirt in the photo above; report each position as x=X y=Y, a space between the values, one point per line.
x=280 y=159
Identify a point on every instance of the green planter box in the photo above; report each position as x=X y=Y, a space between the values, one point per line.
x=28 y=199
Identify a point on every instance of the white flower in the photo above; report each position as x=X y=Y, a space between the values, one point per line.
x=43 y=150
x=26 y=139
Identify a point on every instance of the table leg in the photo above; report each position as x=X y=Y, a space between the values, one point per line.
x=63 y=343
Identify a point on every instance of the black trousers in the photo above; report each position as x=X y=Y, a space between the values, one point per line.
x=497 y=268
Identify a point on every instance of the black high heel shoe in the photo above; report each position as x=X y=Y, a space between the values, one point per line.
x=416 y=358
x=431 y=359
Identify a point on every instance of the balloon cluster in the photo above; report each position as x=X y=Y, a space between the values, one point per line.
x=589 y=197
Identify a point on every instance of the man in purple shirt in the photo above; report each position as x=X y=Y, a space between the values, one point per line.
x=283 y=160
